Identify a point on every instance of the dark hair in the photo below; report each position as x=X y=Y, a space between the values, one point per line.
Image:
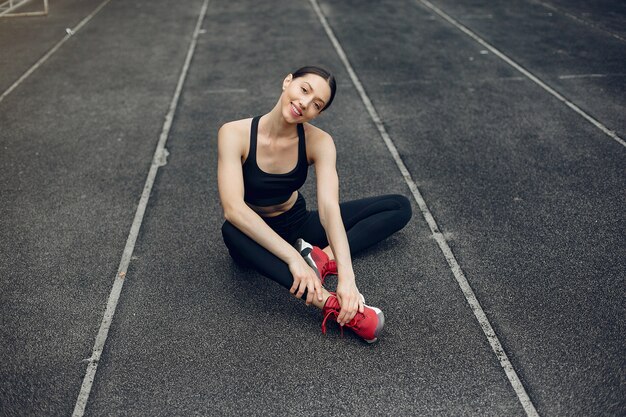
x=330 y=78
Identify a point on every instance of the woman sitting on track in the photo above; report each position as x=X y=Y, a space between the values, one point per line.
x=262 y=162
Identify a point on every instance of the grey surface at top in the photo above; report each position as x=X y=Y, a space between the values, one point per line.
x=583 y=63
x=526 y=192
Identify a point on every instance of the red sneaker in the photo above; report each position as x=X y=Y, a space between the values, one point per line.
x=317 y=259
x=366 y=325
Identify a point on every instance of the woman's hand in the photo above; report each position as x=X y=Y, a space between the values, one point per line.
x=350 y=300
x=304 y=278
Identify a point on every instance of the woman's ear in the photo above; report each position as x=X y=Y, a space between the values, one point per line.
x=286 y=81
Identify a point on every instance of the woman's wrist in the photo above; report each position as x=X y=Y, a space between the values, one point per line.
x=344 y=275
x=293 y=256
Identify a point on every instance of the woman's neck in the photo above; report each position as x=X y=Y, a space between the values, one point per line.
x=276 y=126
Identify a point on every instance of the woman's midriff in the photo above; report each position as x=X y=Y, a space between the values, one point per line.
x=275 y=210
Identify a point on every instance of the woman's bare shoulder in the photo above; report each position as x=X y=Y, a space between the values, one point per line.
x=236 y=127
x=316 y=134
x=319 y=144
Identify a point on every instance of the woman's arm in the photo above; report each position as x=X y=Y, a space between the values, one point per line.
x=325 y=155
x=231 y=146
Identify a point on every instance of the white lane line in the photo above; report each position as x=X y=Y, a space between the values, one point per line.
x=48 y=54
x=527 y=73
x=160 y=155
x=578 y=19
x=572 y=76
x=434 y=228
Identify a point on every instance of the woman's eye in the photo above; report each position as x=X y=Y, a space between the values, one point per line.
x=303 y=89
x=317 y=106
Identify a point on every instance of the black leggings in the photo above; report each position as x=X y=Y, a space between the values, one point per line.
x=367 y=221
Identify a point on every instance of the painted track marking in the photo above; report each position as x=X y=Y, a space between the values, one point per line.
x=527 y=73
x=70 y=33
x=439 y=237
x=572 y=76
x=158 y=160
x=578 y=19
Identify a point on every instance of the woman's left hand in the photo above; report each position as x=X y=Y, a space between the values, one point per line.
x=350 y=300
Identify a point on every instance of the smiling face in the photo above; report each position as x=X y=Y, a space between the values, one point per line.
x=304 y=97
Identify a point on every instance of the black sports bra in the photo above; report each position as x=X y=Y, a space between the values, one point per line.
x=265 y=189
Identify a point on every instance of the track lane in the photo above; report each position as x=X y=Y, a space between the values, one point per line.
x=456 y=269
x=76 y=140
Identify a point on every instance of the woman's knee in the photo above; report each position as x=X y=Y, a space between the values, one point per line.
x=404 y=208
x=232 y=236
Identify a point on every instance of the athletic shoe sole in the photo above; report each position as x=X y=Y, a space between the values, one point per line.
x=379 y=326
x=305 y=250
